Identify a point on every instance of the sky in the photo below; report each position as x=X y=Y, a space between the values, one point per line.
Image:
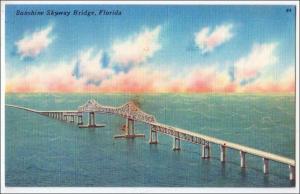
x=151 y=48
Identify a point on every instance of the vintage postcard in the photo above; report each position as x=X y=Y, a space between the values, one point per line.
x=149 y=96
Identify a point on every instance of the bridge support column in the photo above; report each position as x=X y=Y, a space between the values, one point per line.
x=222 y=153
x=266 y=165
x=79 y=120
x=129 y=127
x=153 y=133
x=91 y=122
x=206 y=151
x=72 y=119
x=176 y=143
x=129 y=130
x=292 y=172
x=243 y=159
x=91 y=119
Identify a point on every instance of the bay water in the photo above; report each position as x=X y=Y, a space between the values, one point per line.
x=40 y=151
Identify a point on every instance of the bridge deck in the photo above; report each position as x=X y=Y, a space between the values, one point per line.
x=231 y=145
x=42 y=111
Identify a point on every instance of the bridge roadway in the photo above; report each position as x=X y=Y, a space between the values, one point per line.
x=131 y=113
x=228 y=144
x=41 y=112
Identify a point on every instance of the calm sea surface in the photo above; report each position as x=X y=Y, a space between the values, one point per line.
x=40 y=151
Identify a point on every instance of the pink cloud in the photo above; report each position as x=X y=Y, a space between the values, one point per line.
x=284 y=83
x=137 y=49
x=44 y=79
x=257 y=61
x=137 y=80
x=141 y=79
x=33 y=44
x=207 y=40
x=209 y=79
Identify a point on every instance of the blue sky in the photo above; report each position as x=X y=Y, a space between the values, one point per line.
x=177 y=53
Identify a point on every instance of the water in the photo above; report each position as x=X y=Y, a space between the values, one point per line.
x=40 y=151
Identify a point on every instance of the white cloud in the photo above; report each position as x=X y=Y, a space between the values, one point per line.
x=33 y=44
x=90 y=67
x=136 y=49
x=256 y=62
x=207 y=40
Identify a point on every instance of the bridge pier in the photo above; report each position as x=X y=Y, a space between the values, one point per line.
x=79 y=120
x=292 y=172
x=266 y=165
x=129 y=130
x=129 y=127
x=91 y=122
x=222 y=153
x=91 y=119
x=153 y=133
x=206 y=151
x=243 y=159
x=72 y=119
x=176 y=144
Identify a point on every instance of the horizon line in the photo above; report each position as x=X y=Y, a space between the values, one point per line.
x=227 y=93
